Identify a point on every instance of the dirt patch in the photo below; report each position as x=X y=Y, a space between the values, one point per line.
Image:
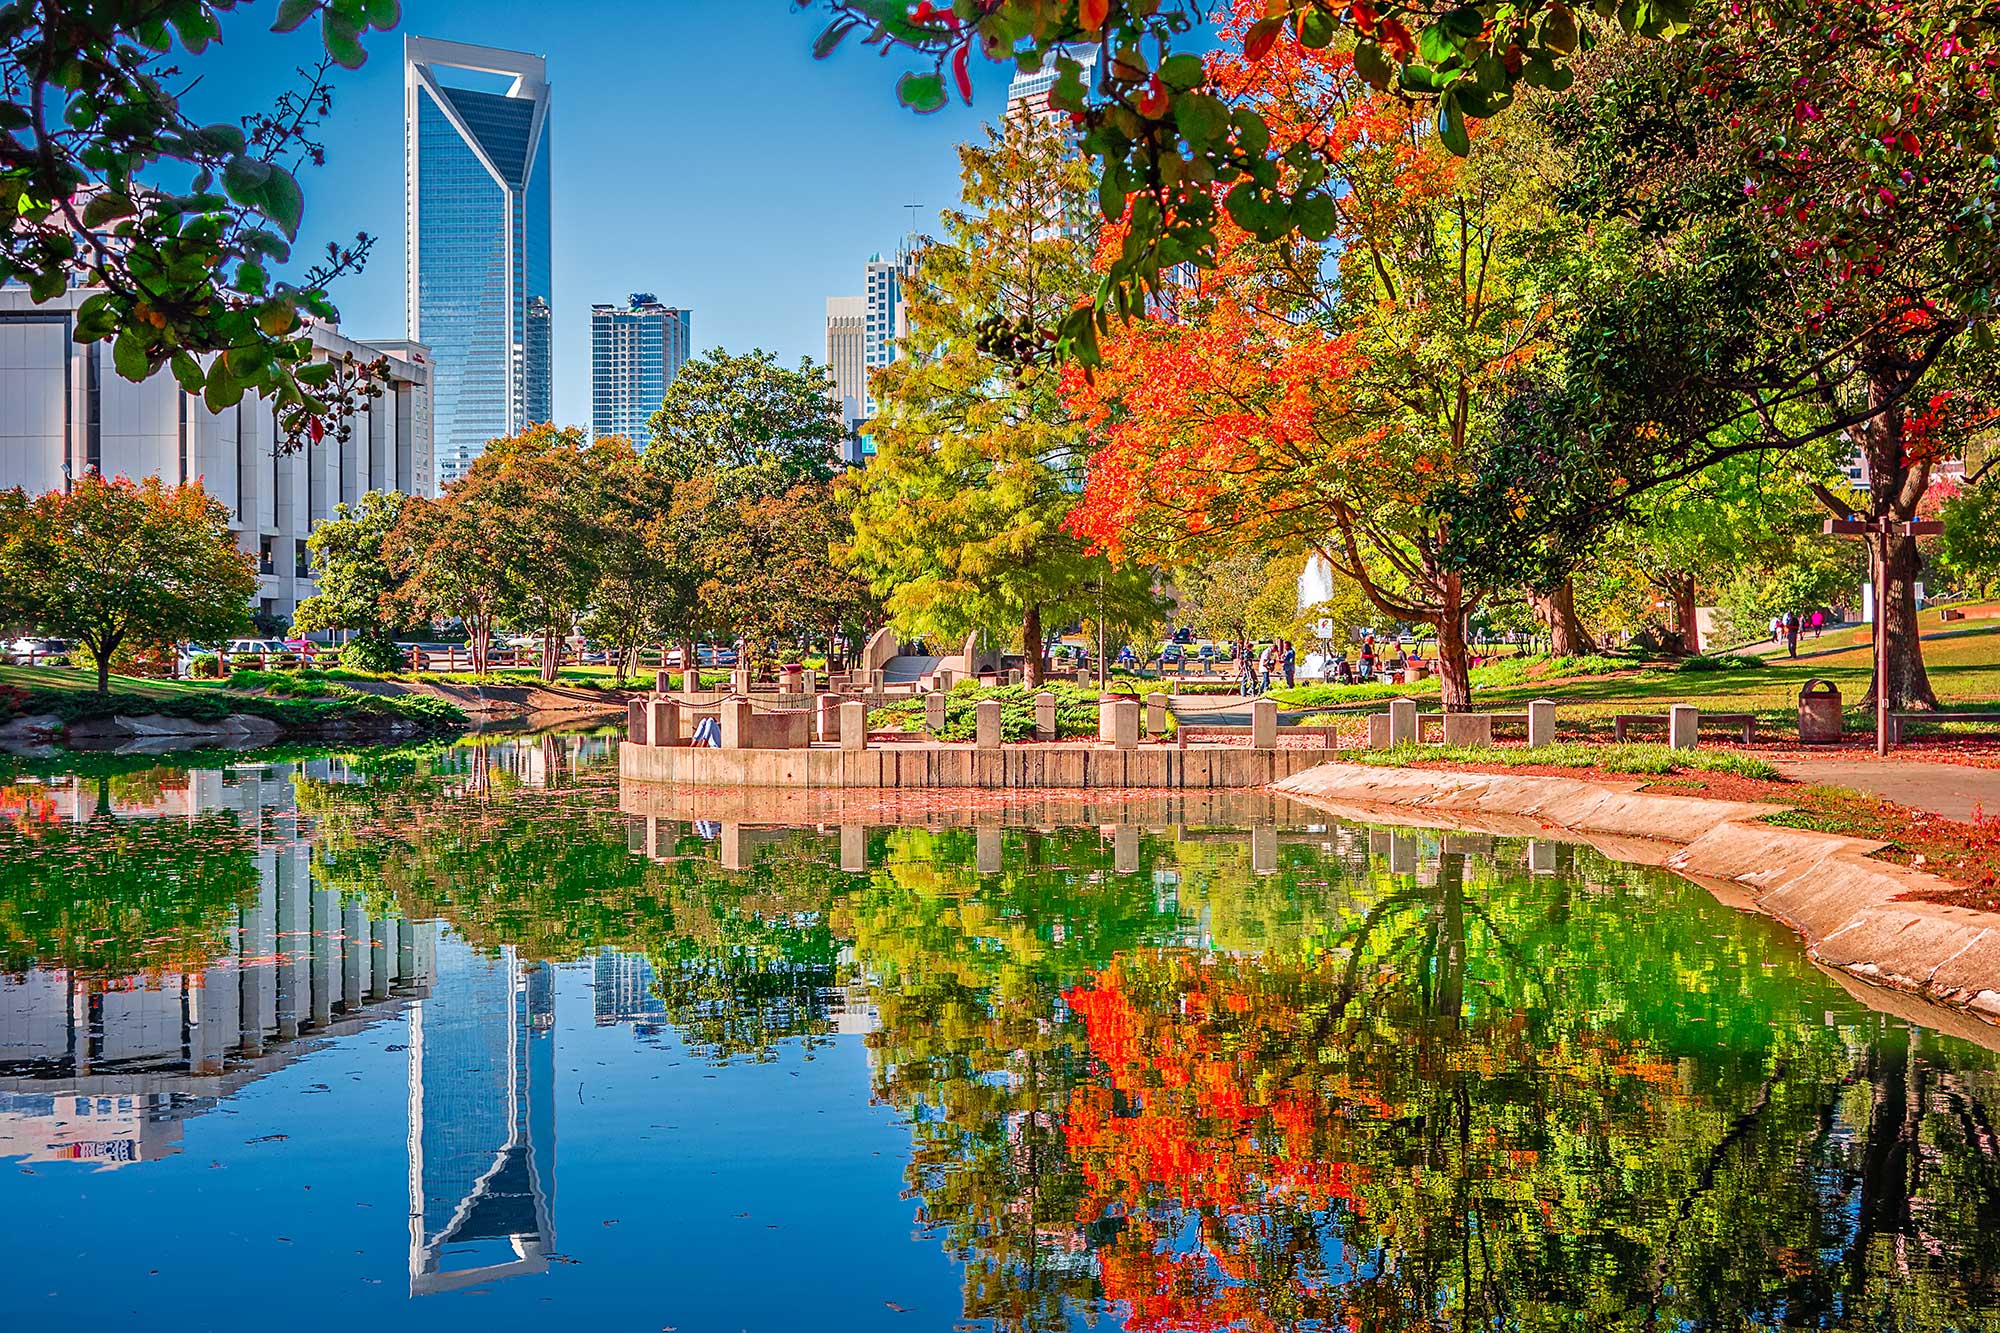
x=509 y=699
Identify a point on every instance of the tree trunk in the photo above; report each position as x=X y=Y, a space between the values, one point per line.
x=1031 y=646
x=1896 y=619
x=1687 y=623
x=1897 y=482
x=103 y=659
x=1567 y=636
x=1454 y=666
x=551 y=658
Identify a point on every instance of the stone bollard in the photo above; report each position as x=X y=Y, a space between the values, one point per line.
x=1264 y=724
x=789 y=681
x=1124 y=724
x=988 y=856
x=1541 y=857
x=663 y=681
x=1156 y=714
x=735 y=724
x=854 y=725
x=1082 y=676
x=1468 y=729
x=934 y=712
x=1263 y=849
x=691 y=681
x=1045 y=716
x=663 y=721
x=739 y=681
x=1378 y=731
x=826 y=717
x=853 y=848
x=1683 y=727
x=986 y=726
x=635 y=722
x=809 y=682
x=1402 y=721
x=1014 y=675
x=1125 y=849
x=878 y=681
x=1541 y=723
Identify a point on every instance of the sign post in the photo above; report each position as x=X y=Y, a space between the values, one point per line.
x=1877 y=532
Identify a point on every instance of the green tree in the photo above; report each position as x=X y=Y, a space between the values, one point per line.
x=766 y=427
x=356 y=583
x=644 y=575
x=108 y=184
x=1238 y=595
x=769 y=572
x=962 y=517
x=444 y=554
x=116 y=561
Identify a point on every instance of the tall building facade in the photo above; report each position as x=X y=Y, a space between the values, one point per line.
x=66 y=412
x=1030 y=92
x=888 y=318
x=477 y=224
x=847 y=354
x=635 y=352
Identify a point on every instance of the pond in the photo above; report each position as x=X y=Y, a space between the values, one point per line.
x=449 y=1036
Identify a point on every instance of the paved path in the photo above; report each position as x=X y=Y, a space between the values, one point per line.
x=1955 y=791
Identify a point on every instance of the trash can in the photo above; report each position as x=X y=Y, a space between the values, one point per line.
x=1819 y=713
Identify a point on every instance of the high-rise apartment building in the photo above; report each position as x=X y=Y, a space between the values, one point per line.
x=477 y=201
x=635 y=352
x=887 y=319
x=1030 y=92
x=847 y=354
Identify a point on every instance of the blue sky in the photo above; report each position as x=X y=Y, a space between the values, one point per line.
x=700 y=153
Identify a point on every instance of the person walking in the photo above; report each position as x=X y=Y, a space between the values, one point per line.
x=1291 y=663
x=1792 y=633
x=1266 y=660
x=1246 y=667
x=1818 y=619
x=1777 y=629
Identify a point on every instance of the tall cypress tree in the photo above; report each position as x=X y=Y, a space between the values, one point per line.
x=960 y=523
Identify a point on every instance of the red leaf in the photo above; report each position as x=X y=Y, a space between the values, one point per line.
x=1092 y=13
x=961 y=72
x=1263 y=35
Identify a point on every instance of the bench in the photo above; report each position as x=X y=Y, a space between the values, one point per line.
x=1896 y=721
x=1745 y=723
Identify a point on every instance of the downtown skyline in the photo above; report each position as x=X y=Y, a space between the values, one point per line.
x=753 y=223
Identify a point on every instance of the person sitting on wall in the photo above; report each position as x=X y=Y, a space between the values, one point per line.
x=708 y=732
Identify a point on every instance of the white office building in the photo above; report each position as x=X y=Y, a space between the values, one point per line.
x=847 y=354
x=65 y=412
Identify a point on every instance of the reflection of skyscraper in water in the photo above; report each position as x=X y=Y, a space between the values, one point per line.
x=482 y=1121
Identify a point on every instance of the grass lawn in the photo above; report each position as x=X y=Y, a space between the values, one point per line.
x=1963 y=658
x=85 y=681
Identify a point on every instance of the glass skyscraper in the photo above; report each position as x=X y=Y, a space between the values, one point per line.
x=635 y=352
x=476 y=149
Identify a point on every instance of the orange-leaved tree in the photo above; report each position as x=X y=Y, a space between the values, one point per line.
x=1317 y=397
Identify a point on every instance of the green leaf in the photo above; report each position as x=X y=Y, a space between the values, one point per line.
x=1316 y=29
x=1203 y=119
x=291 y=13
x=382 y=15
x=342 y=36
x=188 y=372
x=1183 y=72
x=106 y=206
x=245 y=179
x=130 y=357
x=1316 y=216
x=223 y=138
x=1465 y=22
x=1451 y=126
x=283 y=203
x=830 y=37
x=1373 y=66
x=922 y=93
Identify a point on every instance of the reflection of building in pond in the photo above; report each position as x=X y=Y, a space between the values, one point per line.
x=96 y=1068
x=482 y=1121
x=548 y=761
x=100 y=1069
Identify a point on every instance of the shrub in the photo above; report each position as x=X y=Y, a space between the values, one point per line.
x=1723 y=662
x=205 y=666
x=373 y=653
x=1076 y=711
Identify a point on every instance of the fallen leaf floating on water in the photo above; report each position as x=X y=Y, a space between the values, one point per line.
x=897 y=1308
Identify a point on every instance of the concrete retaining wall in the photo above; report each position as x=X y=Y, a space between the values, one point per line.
x=1848 y=905
x=1069 y=767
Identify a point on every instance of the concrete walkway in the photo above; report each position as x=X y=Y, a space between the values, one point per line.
x=1955 y=791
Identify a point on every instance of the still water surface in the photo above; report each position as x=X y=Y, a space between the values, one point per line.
x=448 y=1040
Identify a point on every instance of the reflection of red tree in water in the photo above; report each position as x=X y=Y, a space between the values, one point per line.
x=1214 y=1166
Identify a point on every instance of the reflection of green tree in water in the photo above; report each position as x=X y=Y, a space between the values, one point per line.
x=742 y=961
x=119 y=897
x=974 y=1044
x=1518 y=1106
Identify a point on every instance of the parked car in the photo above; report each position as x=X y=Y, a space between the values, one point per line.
x=185 y=655
x=272 y=650
x=29 y=650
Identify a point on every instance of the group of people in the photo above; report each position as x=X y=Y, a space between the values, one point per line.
x=1260 y=670
x=1786 y=628
x=1341 y=671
